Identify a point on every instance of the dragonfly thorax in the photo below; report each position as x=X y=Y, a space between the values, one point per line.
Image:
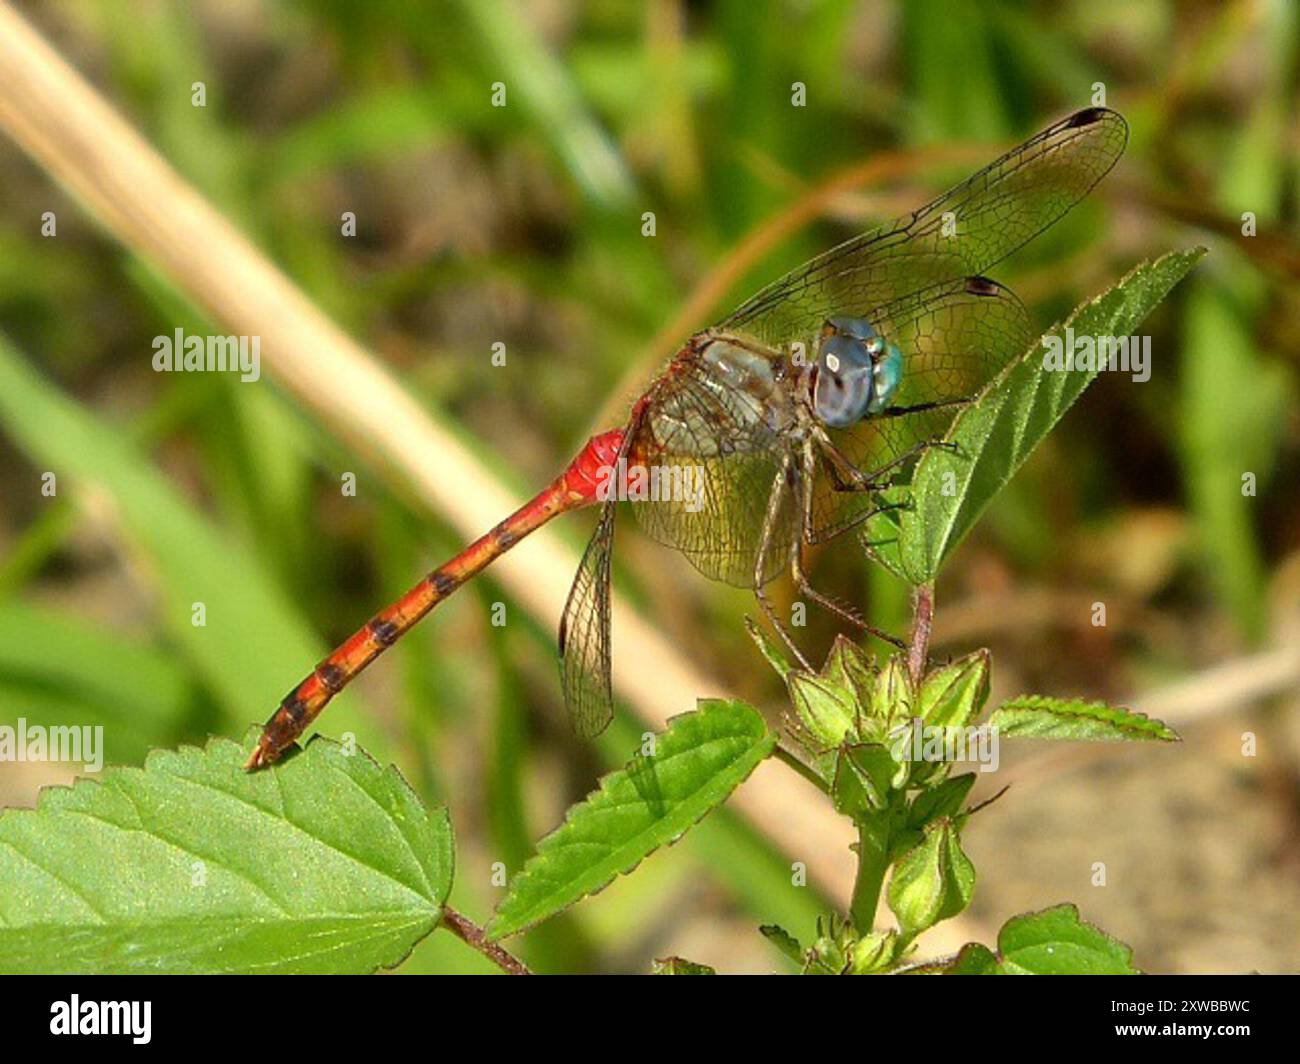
x=858 y=372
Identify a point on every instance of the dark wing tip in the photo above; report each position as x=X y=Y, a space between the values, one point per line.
x=1088 y=116
x=982 y=286
x=1092 y=116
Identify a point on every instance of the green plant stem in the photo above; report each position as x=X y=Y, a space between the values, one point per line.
x=873 y=859
x=806 y=771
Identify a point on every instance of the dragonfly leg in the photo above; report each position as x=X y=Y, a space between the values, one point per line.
x=900 y=411
x=766 y=606
x=768 y=534
x=839 y=609
x=855 y=521
x=845 y=476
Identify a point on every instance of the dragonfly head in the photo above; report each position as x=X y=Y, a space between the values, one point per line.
x=858 y=372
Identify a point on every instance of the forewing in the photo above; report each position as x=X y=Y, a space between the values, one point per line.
x=991 y=214
x=723 y=534
x=955 y=339
x=714 y=444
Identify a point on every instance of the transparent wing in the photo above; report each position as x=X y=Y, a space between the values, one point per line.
x=584 y=634
x=964 y=232
x=716 y=461
x=722 y=534
x=955 y=338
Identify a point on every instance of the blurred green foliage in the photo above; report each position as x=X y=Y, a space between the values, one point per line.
x=523 y=224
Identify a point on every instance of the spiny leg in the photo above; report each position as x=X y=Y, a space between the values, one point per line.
x=845 y=476
x=829 y=454
x=834 y=606
x=939 y=404
x=768 y=534
x=840 y=609
x=854 y=522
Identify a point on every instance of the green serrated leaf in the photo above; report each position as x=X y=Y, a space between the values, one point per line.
x=932 y=881
x=783 y=940
x=680 y=966
x=953 y=694
x=1056 y=942
x=1039 y=717
x=973 y=959
x=698 y=762
x=323 y=863
x=994 y=436
x=1052 y=942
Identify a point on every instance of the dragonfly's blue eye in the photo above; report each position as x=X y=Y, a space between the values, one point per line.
x=845 y=379
x=888 y=375
x=857 y=373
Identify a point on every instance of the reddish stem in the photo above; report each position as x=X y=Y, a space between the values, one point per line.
x=922 y=623
x=476 y=938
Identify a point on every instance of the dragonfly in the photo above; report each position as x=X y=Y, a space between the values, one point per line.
x=782 y=426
